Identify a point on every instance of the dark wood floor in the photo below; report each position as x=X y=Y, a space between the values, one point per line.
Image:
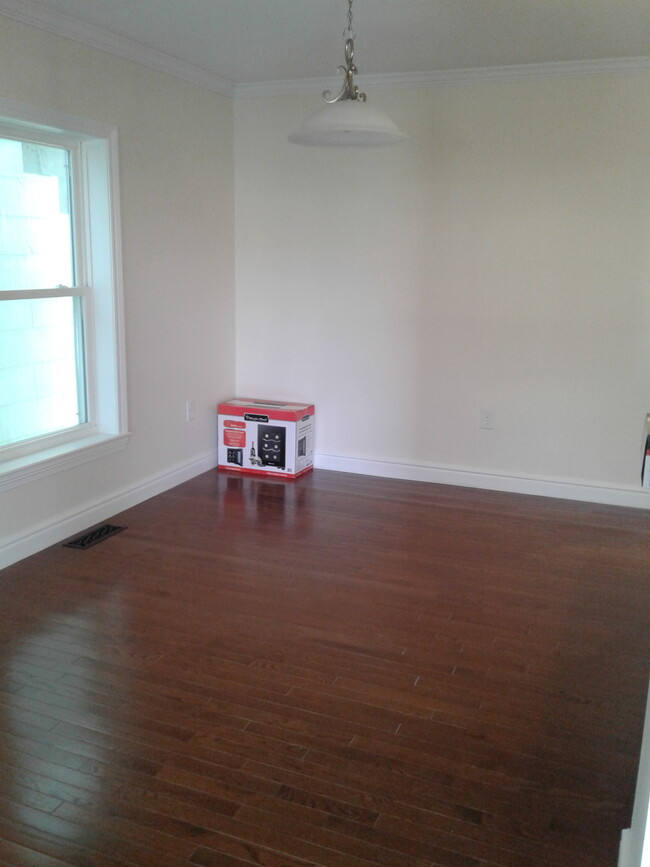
x=338 y=671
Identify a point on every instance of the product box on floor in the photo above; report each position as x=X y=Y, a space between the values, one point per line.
x=266 y=437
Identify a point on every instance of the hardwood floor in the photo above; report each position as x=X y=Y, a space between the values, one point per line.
x=341 y=670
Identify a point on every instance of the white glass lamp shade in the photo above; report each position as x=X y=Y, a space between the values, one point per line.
x=348 y=122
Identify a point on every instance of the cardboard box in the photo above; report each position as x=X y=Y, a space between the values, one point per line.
x=266 y=437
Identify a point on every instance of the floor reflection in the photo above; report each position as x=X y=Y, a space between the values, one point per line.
x=54 y=700
x=264 y=501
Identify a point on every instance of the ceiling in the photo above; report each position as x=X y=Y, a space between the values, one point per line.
x=240 y=42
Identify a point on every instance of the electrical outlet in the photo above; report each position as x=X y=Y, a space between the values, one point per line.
x=487 y=419
x=189 y=410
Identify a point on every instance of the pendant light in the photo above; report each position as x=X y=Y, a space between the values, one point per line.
x=346 y=119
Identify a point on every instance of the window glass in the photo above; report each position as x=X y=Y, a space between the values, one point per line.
x=36 y=238
x=41 y=348
x=41 y=362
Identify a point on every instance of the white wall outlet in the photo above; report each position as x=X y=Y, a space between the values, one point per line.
x=487 y=419
x=189 y=410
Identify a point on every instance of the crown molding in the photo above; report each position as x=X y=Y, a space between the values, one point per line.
x=30 y=12
x=524 y=72
x=34 y=13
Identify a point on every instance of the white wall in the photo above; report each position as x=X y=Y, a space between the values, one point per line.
x=500 y=259
x=177 y=197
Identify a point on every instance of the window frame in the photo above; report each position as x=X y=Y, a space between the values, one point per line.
x=98 y=286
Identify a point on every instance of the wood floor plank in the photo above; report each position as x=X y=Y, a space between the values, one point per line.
x=16 y=855
x=342 y=671
x=347 y=845
x=157 y=833
x=38 y=832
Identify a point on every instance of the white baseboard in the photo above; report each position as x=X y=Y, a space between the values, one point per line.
x=638 y=498
x=18 y=547
x=624 y=856
x=635 y=840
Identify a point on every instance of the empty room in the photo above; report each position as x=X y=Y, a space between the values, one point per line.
x=417 y=634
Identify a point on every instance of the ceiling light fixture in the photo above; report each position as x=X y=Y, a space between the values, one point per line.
x=346 y=119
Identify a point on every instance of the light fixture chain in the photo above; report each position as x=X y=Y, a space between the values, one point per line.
x=348 y=125
x=348 y=90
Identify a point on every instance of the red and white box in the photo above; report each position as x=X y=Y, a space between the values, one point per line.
x=266 y=437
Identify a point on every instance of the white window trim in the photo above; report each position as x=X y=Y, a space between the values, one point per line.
x=107 y=431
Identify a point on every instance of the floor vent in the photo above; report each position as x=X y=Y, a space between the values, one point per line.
x=92 y=537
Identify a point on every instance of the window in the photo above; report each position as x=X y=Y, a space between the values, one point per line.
x=62 y=395
x=42 y=370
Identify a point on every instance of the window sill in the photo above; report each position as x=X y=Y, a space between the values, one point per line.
x=28 y=468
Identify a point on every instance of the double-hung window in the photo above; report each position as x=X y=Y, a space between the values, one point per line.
x=62 y=377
